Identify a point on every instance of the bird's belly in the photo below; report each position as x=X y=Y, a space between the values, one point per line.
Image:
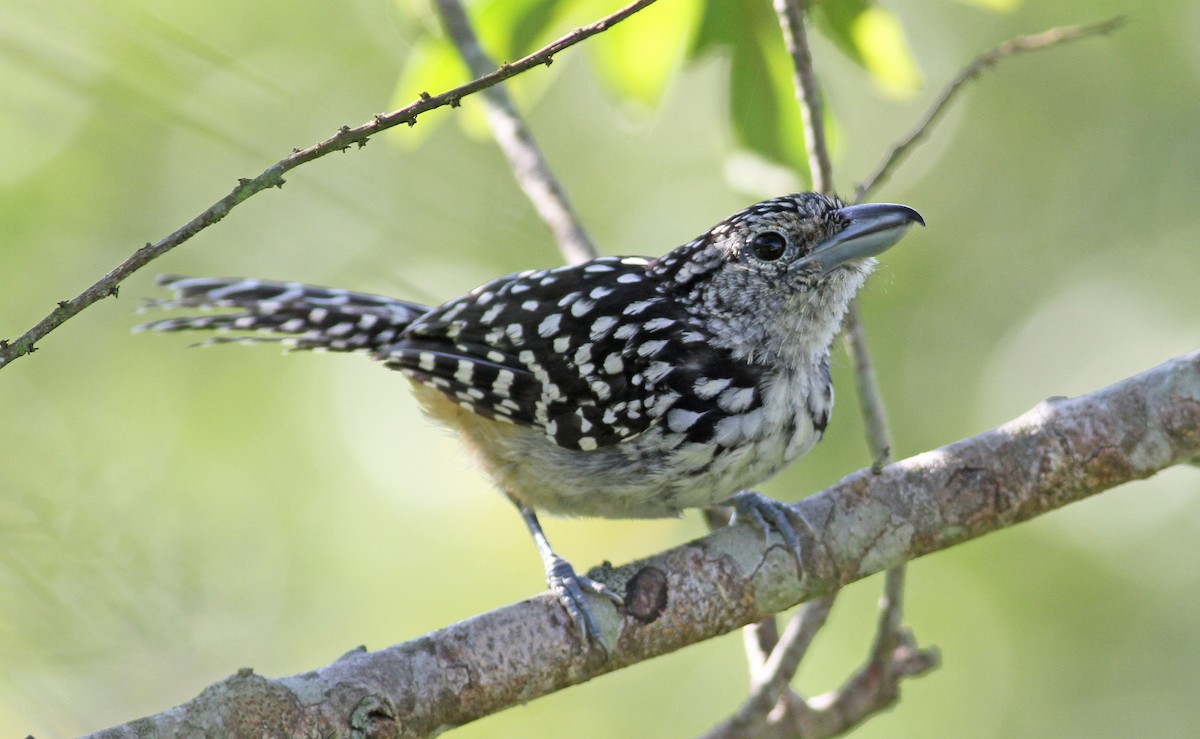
x=655 y=474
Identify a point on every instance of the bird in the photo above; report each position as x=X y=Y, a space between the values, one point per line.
x=620 y=387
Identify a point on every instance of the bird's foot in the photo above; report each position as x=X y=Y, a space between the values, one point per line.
x=569 y=587
x=767 y=515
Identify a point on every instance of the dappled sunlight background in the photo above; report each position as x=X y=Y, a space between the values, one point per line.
x=168 y=516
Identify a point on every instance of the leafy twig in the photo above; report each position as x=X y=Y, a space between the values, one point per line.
x=525 y=158
x=273 y=177
x=1012 y=47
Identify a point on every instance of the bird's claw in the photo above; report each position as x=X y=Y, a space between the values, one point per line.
x=569 y=587
x=767 y=515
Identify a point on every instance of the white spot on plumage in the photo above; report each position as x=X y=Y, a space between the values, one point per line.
x=657 y=324
x=601 y=389
x=602 y=326
x=736 y=400
x=728 y=431
x=425 y=361
x=583 y=354
x=635 y=308
x=464 y=371
x=629 y=277
x=587 y=443
x=613 y=364
x=662 y=403
x=626 y=331
x=680 y=420
x=706 y=388
x=658 y=370
x=489 y=315
x=582 y=307
x=549 y=325
x=562 y=344
x=752 y=423
x=650 y=348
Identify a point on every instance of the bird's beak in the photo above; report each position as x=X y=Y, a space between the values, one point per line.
x=872 y=229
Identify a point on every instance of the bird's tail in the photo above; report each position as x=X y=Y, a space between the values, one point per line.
x=299 y=316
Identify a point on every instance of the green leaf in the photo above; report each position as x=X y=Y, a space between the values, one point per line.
x=999 y=6
x=873 y=37
x=880 y=41
x=637 y=59
x=510 y=29
x=763 y=110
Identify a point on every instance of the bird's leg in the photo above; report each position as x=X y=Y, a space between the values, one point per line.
x=568 y=586
x=767 y=515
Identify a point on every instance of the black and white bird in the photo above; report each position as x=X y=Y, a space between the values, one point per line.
x=623 y=387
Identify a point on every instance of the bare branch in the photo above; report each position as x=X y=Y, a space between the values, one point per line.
x=769 y=686
x=791 y=19
x=1061 y=451
x=525 y=159
x=273 y=177
x=761 y=641
x=1012 y=47
x=773 y=697
x=870 y=399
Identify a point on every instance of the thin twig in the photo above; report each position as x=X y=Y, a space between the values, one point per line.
x=770 y=684
x=1012 y=47
x=273 y=177
x=774 y=661
x=525 y=158
x=791 y=19
x=773 y=665
x=869 y=397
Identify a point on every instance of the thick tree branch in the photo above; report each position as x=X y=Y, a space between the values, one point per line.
x=273 y=177
x=524 y=156
x=1061 y=451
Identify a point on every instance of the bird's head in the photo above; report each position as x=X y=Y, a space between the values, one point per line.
x=786 y=269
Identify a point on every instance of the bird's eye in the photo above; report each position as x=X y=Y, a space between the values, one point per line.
x=768 y=245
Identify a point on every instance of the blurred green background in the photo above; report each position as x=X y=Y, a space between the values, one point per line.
x=168 y=516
